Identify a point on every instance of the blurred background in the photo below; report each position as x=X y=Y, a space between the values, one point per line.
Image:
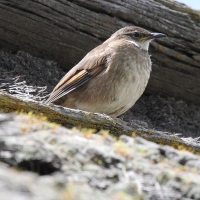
x=195 y=4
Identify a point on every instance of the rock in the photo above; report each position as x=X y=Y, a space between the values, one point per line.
x=64 y=161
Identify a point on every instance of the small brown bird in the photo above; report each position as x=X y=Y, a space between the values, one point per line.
x=111 y=77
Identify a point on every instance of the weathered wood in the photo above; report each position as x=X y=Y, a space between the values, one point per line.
x=65 y=31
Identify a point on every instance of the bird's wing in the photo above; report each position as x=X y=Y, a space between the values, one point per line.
x=90 y=66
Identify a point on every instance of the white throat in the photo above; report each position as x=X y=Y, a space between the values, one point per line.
x=142 y=45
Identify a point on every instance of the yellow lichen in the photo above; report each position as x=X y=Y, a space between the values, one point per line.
x=123 y=149
x=178 y=55
x=159 y=47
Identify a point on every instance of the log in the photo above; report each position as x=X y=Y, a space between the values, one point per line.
x=64 y=31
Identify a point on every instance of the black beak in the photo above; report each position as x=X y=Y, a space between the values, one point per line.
x=156 y=35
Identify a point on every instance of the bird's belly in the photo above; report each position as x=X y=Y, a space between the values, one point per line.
x=126 y=96
x=116 y=96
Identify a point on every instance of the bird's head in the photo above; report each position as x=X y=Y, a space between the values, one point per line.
x=139 y=36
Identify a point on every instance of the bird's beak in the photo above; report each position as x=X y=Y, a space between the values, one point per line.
x=153 y=36
x=156 y=35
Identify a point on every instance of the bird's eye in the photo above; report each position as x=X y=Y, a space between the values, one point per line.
x=136 y=34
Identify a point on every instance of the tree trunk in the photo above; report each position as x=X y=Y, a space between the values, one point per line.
x=65 y=31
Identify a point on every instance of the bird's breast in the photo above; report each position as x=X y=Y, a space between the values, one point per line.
x=118 y=88
x=129 y=76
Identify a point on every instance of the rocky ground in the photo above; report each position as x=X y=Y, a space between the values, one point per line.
x=73 y=165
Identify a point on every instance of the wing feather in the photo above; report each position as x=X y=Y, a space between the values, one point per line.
x=90 y=66
x=67 y=85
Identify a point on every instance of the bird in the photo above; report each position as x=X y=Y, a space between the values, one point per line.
x=111 y=77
